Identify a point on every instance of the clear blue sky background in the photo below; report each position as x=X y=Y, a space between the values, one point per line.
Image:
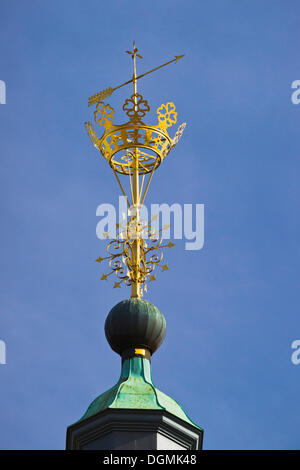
x=232 y=308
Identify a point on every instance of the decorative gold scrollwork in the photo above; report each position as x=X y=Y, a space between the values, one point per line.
x=178 y=134
x=167 y=115
x=136 y=107
x=104 y=115
x=120 y=257
x=91 y=132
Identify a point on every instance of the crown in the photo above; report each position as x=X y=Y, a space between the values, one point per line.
x=120 y=144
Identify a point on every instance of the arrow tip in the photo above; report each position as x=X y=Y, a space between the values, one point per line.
x=178 y=57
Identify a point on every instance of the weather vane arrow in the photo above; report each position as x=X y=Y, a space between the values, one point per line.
x=109 y=91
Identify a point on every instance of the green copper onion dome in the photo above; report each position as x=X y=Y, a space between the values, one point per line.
x=135 y=323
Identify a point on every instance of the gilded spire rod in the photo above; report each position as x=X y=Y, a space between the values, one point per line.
x=135 y=286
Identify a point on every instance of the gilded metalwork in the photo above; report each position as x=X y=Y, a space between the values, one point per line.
x=122 y=254
x=134 y=149
x=109 y=91
x=151 y=142
x=136 y=108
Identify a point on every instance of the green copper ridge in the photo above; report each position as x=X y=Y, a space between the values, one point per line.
x=135 y=390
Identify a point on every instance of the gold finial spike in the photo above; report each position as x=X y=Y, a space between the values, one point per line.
x=134 y=53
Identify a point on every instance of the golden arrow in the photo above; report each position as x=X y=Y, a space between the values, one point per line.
x=109 y=91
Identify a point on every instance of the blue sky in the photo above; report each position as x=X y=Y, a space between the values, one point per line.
x=232 y=308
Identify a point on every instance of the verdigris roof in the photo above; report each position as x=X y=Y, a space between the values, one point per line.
x=135 y=390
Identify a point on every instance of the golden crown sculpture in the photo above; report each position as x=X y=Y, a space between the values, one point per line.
x=134 y=134
x=134 y=149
